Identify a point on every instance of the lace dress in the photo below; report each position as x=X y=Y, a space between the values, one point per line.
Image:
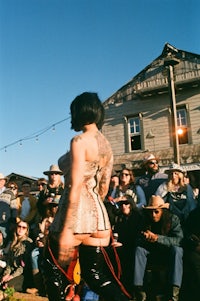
x=91 y=213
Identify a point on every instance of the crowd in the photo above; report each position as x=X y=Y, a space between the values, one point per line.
x=156 y=219
x=100 y=235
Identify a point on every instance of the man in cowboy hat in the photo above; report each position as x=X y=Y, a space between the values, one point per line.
x=8 y=205
x=54 y=188
x=152 y=177
x=159 y=243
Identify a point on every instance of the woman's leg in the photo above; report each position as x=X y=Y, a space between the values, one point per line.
x=97 y=275
x=55 y=281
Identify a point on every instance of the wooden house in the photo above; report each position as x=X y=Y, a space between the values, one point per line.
x=18 y=179
x=141 y=118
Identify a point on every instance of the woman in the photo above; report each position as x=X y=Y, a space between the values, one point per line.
x=18 y=258
x=37 y=253
x=177 y=193
x=82 y=219
x=128 y=190
x=127 y=230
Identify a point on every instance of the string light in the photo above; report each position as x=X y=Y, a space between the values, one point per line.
x=35 y=135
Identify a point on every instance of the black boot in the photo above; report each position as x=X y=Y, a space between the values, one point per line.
x=97 y=275
x=55 y=281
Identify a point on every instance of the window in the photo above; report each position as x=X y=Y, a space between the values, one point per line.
x=182 y=125
x=134 y=130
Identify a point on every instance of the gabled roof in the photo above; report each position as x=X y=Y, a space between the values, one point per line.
x=156 y=67
x=17 y=176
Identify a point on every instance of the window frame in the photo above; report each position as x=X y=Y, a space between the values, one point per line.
x=182 y=124
x=136 y=133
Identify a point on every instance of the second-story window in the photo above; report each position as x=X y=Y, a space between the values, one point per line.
x=182 y=125
x=134 y=130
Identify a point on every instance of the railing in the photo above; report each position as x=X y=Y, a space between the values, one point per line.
x=163 y=82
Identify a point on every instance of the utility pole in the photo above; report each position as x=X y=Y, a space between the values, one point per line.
x=169 y=63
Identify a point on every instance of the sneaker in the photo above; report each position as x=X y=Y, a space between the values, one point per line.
x=140 y=294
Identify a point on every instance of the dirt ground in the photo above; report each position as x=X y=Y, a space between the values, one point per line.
x=29 y=297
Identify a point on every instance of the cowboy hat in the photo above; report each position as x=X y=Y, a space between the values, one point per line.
x=53 y=169
x=174 y=167
x=156 y=202
x=148 y=158
x=2 y=177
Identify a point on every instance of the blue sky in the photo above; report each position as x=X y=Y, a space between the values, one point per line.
x=53 y=50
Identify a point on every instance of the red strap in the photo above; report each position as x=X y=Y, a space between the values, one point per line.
x=119 y=269
x=107 y=259
x=69 y=273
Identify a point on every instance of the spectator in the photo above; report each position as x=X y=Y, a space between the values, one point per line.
x=8 y=206
x=18 y=258
x=159 y=242
x=28 y=208
x=111 y=206
x=2 y=250
x=53 y=189
x=126 y=227
x=127 y=189
x=42 y=185
x=152 y=177
x=114 y=183
x=14 y=188
x=177 y=193
x=37 y=253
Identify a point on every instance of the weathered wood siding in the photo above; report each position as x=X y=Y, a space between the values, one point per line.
x=147 y=94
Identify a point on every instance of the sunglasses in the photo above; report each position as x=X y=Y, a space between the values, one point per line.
x=153 y=162
x=124 y=203
x=41 y=184
x=13 y=188
x=54 y=173
x=156 y=211
x=21 y=227
x=125 y=174
x=53 y=205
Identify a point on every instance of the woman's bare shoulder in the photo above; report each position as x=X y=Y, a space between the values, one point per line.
x=77 y=138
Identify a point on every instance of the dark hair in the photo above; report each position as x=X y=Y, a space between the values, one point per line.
x=86 y=109
x=165 y=220
x=12 y=183
x=42 y=181
x=26 y=182
x=132 y=177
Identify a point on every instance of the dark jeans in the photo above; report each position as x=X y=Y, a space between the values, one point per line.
x=172 y=256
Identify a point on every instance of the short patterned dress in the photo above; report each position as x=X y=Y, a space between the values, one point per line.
x=91 y=213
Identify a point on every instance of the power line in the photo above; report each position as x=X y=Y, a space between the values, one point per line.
x=35 y=135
